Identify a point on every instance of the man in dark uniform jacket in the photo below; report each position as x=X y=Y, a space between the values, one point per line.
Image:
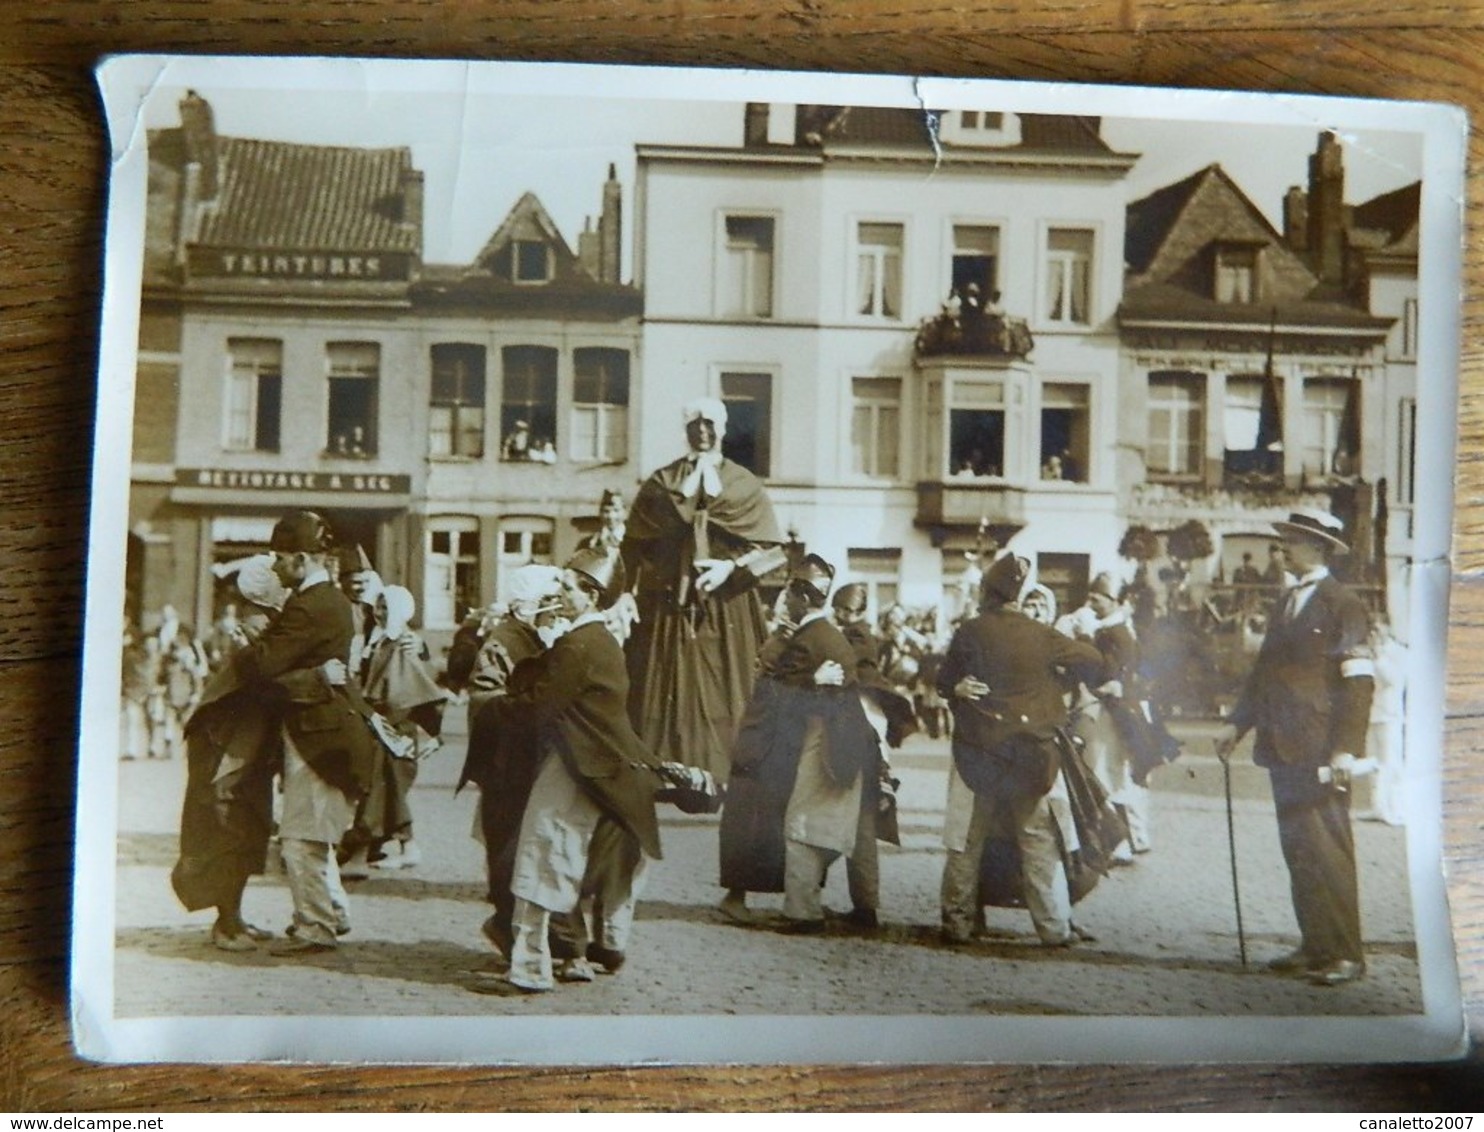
x=329 y=750
x=1004 y=676
x=1309 y=698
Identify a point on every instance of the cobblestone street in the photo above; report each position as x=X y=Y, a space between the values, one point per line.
x=1166 y=930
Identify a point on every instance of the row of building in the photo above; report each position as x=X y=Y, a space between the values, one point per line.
x=927 y=333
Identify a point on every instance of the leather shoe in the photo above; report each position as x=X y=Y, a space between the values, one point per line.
x=1340 y=971
x=253 y=932
x=298 y=945
x=1296 y=960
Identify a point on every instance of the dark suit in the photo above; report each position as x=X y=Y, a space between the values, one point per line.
x=589 y=822
x=327 y=726
x=1004 y=751
x=1309 y=698
x=330 y=752
x=1024 y=664
x=765 y=757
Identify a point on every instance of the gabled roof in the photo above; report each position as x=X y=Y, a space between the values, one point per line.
x=528 y=220
x=1170 y=239
x=1388 y=222
x=280 y=195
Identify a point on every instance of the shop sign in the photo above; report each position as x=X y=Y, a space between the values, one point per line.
x=351 y=483
x=297 y=264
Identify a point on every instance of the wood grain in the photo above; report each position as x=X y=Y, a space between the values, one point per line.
x=52 y=179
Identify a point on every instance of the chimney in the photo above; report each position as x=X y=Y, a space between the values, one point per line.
x=755 y=124
x=1296 y=219
x=588 y=251
x=783 y=123
x=610 y=230
x=1326 y=221
x=198 y=129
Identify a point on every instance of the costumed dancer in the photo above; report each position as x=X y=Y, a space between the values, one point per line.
x=1099 y=718
x=1003 y=676
x=232 y=753
x=700 y=534
x=1308 y=697
x=502 y=756
x=328 y=749
x=794 y=805
x=893 y=718
x=408 y=702
x=589 y=825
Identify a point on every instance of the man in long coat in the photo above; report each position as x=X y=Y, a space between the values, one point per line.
x=502 y=754
x=1003 y=674
x=794 y=802
x=700 y=534
x=329 y=750
x=1309 y=698
x=593 y=793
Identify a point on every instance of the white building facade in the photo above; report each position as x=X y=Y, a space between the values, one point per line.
x=792 y=277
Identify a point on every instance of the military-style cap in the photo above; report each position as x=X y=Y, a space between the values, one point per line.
x=1005 y=578
x=851 y=598
x=815 y=575
x=1106 y=585
x=353 y=559
x=301 y=532
x=604 y=570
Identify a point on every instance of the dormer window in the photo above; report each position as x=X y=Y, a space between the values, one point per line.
x=981 y=127
x=1236 y=276
x=981 y=120
x=530 y=261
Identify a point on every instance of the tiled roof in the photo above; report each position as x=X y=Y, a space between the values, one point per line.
x=281 y=195
x=1171 y=233
x=897 y=127
x=1388 y=221
x=1170 y=302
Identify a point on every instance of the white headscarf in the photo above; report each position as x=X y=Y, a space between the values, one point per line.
x=704 y=473
x=400 y=606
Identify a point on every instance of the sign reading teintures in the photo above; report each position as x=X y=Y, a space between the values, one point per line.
x=814 y=376
x=291 y=265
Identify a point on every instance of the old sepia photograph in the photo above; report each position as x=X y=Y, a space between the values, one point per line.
x=612 y=565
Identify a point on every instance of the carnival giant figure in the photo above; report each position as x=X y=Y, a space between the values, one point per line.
x=700 y=534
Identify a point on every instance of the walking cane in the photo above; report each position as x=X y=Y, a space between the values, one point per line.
x=1231 y=842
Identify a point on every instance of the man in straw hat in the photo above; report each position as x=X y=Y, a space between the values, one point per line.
x=1308 y=698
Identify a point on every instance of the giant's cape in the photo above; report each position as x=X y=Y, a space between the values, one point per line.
x=742 y=510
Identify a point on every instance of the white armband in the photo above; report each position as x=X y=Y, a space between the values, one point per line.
x=1358 y=666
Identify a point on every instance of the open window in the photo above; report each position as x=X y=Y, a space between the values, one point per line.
x=354 y=378
x=528 y=404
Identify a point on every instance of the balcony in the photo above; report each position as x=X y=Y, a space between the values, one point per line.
x=955 y=506
x=973 y=334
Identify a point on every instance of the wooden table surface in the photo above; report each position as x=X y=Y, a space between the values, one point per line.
x=52 y=179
